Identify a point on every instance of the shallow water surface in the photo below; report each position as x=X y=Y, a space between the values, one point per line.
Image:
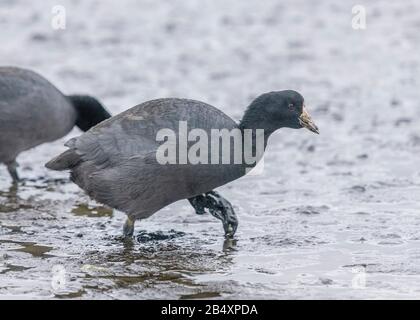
x=331 y=216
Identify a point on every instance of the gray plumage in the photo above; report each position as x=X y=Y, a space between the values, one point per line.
x=32 y=112
x=115 y=161
x=25 y=100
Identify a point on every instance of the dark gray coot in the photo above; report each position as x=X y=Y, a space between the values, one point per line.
x=33 y=111
x=115 y=162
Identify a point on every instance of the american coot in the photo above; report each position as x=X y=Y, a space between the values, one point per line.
x=116 y=163
x=33 y=111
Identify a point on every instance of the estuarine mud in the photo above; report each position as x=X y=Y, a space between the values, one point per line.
x=331 y=216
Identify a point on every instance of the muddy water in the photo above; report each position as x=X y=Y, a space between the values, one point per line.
x=331 y=216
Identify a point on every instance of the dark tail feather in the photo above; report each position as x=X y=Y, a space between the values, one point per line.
x=64 y=161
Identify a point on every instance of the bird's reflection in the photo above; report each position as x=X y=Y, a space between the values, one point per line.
x=229 y=244
x=9 y=198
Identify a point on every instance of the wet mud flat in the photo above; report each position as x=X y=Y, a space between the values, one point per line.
x=330 y=216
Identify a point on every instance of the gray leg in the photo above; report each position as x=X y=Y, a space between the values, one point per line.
x=218 y=207
x=128 y=229
x=12 y=168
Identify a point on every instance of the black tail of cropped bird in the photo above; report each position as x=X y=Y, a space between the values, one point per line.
x=90 y=111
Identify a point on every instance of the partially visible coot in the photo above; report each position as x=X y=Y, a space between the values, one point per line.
x=33 y=111
x=116 y=161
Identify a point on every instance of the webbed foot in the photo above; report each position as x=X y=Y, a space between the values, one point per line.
x=222 y=209
x=218 y=207
x=199 y=204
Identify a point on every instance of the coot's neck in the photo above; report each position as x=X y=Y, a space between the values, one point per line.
x=89 y=110
x=256 y=131
x=254 y=121
x=256 y=126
